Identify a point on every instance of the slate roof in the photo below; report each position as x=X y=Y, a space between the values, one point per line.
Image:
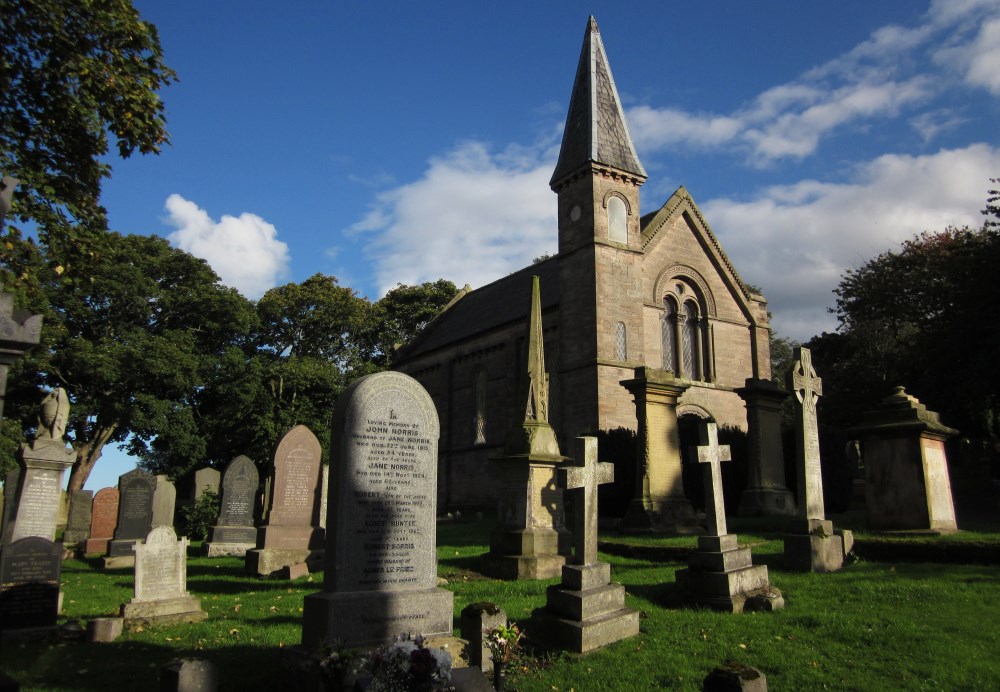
x=595 y=125
x=494 y=305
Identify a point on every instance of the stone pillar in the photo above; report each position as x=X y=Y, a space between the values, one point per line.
x=659 y=502
x=766 y=492
x=477 y=621
x=39 y=486
x=907 y=485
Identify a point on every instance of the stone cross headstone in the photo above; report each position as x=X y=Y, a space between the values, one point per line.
x=161 y=580
x=80 y=513
x=803 y=381
x=292 y=533
x=30 y=569
x=381 y=551
x=135 y=513
x=712 y=453
x=103 y=519
x=586 y=479
x=234 y=533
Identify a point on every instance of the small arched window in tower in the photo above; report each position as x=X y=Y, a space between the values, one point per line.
x=479 y=393
x=621 y=343
x=617 y=220
x=668 y=335
x=691 y=343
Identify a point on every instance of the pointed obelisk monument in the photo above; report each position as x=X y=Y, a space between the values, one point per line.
x=531 y=540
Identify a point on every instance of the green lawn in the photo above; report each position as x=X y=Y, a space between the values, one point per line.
x=872 y=626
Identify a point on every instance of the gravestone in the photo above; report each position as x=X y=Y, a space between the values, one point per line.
x=30 y=569
x=103 y=519
x=35 y=502
x=766 y=493
x=135 y=516
x=475 y=624
x=80 y=513
x=586 y=610
x=813 y=546
x=530 y=540
x=205 y=479
x=161 y=594
x=234 y=534
x=292 y=534
x=907 y=486
x=164 y=502
x=721 y=574
x=659 y=503
x=381 y=559
x=324 y=490
x=19 y=329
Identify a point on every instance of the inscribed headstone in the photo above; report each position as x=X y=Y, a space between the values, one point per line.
x=29 y=583
x=161 y=580
x=234 y=533
x=80 y=512
x=381 y=560
x=135 y=511
x=103 y=519
x=164 y=502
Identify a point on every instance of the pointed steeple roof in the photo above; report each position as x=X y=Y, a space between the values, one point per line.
x=595 y=125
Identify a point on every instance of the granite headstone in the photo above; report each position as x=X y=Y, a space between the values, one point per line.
x=135 y=513
x=234 y=533
x=80 y=513
x=30 y=569
x=164 y=502
x=103 y=519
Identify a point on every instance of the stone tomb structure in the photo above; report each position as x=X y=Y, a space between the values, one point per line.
x=720 y=573
x=381 y=554
x=292 y=533
x=907 y=486
x=813 y=545
x=766 y=492
x=103 y=519
x=530 y=540
x=161 y=581
x=586 y=610
x=135 y=516
x=30 y=569
x=235 y=534
x=78 y=523
x=38 y=491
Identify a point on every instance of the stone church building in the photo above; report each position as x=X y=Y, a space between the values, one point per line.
x=623 y=291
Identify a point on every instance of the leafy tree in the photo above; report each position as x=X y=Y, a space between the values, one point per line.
x=73 y=72
x=402 y=314
x=132 y=340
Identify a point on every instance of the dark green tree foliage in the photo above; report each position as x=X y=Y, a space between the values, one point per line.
x=200 y=516
x=926 y=317
x=70 y=74
x=402 y=314
x=132 y=339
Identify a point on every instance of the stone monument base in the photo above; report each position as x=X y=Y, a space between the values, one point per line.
x=360 y=618
x=816 y=547
x=118 y=562
x=586 y=611
x=767 y=502
x=230 y=540
x=721 y=576
x=122 y=547
x=526 y=553
x=164 y=611
x=95 y=545
x=671 y=515
x=217 y=549
x=268 y=562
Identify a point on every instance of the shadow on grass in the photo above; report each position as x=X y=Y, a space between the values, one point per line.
x=470 y=563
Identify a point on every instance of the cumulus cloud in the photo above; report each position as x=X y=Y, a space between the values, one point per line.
x=473 y=217
x=244 y=251
x=796 y=241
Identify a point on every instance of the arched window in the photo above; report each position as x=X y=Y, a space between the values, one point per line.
x=668 y=335
x=479 y=392
x=621 y=343
x=691 y=343
x=617 y=220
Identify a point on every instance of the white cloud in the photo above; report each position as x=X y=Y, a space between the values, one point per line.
x=657 y=127
x=473 y=217
x=796 y=241
x=244 y=251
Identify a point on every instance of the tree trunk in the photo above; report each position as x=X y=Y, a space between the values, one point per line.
x=87 y=454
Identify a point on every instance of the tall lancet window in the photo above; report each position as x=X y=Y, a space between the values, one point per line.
x=621 y=342
x=689 y=337
x=479 y=392
x=668 y=335
x=617 y=220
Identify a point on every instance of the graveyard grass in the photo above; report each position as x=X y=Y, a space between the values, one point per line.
x=872 y=626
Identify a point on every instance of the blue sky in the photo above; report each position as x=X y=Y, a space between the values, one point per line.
x=400 y=142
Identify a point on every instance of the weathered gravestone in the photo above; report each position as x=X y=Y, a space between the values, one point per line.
x=164 y=502
x=103 y=519
x=292 y=533
x=381 y=560
x=766 y=493
x=234 y=534
x=721 y=574
x=80 y=513
x=29 y=584
x=586 y=610
x=907 y=485
x=161 y=581
x=135 y=516
x=813 y=545
x=205 y=479
x=42 y=464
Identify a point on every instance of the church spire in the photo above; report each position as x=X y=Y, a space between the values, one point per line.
x=595 y=129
